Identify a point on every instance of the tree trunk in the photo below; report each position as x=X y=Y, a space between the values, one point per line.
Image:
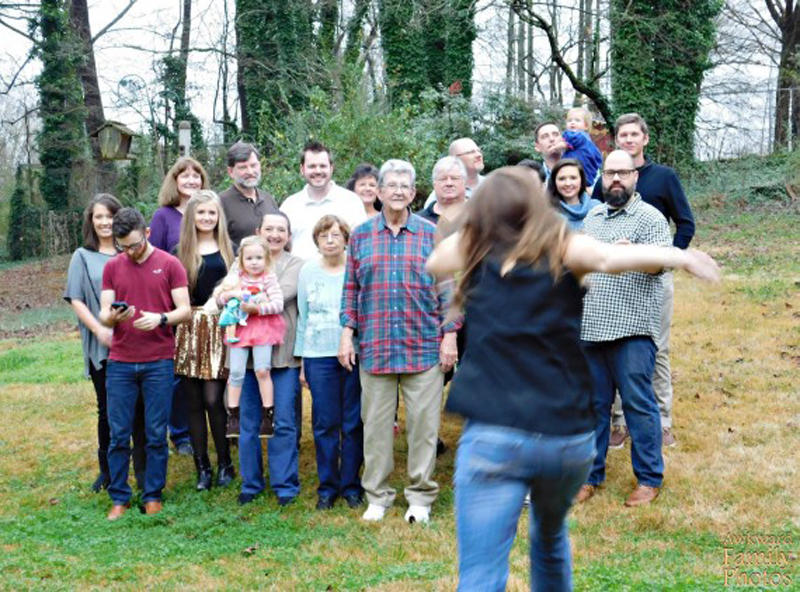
x=530 y=66
x=521 y=59
x=510 y=36
x=787 y=110
x=186 y=33
x=95 y=117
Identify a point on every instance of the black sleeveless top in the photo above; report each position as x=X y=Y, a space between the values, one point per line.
x=524 y=366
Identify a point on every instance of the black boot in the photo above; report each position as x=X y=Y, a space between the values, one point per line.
x=225 y=474
x=204 y=474
x=102 y=482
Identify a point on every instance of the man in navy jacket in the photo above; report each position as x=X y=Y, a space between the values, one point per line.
x=660 y=187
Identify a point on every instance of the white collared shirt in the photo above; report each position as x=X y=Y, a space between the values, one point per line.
x=304 y=212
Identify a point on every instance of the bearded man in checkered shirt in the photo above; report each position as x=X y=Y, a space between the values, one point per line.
x=621 y=324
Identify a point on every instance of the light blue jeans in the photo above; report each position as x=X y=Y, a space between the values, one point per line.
x=495 y=468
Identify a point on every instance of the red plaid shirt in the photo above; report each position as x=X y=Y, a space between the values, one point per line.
x=391 y=300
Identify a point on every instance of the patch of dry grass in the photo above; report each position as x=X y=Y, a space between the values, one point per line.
x=735 y=359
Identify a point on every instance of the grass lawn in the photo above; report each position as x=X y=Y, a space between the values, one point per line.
x=736 y=354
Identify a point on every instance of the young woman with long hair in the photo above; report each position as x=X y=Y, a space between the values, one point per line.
x=205 y=251
x=524 y=385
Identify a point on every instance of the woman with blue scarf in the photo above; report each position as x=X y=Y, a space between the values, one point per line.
x=567 y=190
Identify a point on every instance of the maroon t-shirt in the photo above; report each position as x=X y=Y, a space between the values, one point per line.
x=147 y=286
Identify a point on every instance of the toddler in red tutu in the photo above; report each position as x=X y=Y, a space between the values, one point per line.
x=255 y=284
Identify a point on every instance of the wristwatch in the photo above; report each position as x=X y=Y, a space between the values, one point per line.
x=163 y=322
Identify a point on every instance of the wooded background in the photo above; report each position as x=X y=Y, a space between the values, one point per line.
x=373 y=79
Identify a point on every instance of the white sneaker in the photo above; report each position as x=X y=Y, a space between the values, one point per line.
x=374 y=513
x=420 y=514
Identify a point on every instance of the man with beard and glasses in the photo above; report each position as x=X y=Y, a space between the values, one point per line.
x=321 y=196
x=244 y=203
x=660 y=187
x=620 y=329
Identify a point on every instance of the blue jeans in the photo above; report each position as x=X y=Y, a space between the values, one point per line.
x=124 y=382
x=495 y=467
x=627 y=365
x=282 y=448
x=336 y=420
x=179 y=415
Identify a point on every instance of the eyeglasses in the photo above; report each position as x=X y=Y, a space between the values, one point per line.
x=324 y=236
x=623 y=174
x=392 y=187
x=453 y=178
x=133 y=247
x=471 y=152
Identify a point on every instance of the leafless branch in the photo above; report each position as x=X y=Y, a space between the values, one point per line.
x=114 y=21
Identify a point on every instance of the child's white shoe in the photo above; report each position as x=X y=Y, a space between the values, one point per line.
x=374 y=513
x=421 y=514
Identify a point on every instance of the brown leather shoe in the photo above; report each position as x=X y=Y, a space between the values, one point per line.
x=153 y=507
x=117 y=510
x=668 y=438
x=642 y=495
x=584 y=493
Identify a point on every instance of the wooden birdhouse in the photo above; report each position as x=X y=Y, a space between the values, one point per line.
x=115 y=140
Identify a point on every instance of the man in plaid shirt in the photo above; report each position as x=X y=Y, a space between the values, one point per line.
x=621 y=324
x=398 y=312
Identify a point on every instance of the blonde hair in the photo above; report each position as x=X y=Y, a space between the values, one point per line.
x=587 y=116
x=250 y=241
x=510 y=217
x=188 y=253
x=168 y=195
x=231 y=281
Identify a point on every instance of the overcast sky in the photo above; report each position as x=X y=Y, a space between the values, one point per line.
x=132 y=49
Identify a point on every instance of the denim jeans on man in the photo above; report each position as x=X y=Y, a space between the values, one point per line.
x=282 y=448
x=496 y=467
x=336 y=422
x=124 y=382
x=627 y=365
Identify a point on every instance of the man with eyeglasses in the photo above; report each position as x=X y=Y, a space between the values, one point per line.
x=144 y=295
x=320 y=196
x=467 y=151
x=620 y=329
x=660 y=187
x=403 y=340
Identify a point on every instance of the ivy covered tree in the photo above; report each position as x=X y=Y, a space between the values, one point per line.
x=461 y=32
x=17 y=247
x=427 y=44
x=405 y=46
x=62 y=140
x=275 y=55
x=659 y=54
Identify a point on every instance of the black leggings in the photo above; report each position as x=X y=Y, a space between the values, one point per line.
x=104 y=431
x=207 y=397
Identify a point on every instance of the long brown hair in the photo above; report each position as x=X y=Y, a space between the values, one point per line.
x=111 y=203
x=510 y=218
x=168 y=194
x=188 y=253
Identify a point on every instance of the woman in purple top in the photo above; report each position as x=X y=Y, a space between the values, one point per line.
x=184 y=178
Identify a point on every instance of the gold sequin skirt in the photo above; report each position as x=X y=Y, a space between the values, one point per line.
x=200 y=347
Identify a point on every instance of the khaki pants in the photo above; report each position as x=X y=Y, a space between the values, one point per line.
x=422 y=394
x=662 y=376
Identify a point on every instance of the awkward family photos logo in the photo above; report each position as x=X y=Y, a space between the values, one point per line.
x=752 y=559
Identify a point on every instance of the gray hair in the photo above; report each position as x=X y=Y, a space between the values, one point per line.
x=447 y=163
x=240 y=152
x=400 y=167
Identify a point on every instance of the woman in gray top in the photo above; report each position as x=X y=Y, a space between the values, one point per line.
x=84 y=282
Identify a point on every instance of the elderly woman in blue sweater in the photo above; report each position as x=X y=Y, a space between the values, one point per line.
x=567 y=190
